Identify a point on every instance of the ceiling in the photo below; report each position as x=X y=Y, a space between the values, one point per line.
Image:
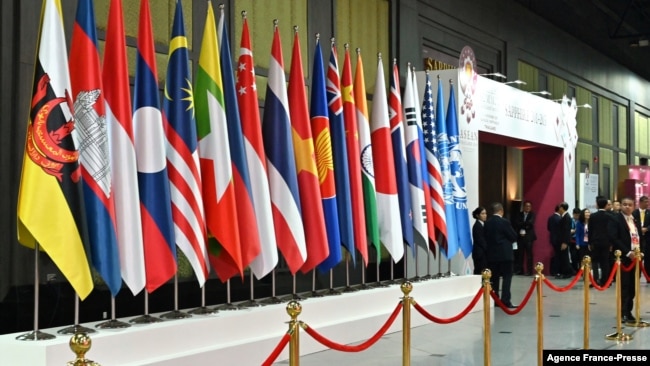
x=619 y=29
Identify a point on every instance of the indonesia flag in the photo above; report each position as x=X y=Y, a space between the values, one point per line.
x=415 y=159
x=155 y=202
x=214 y=152
x=94 y=157
x=433 y=167
x=248 y=233
x=182 y=153
x=388 y=213
x=320 y=126
x=396 y=118
x=117 y=93
x=306 y=170
x=353 y=161
x=342 y=176
x=249 y=113
x=283 y=181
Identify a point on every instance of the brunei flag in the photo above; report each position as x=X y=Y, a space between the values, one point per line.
x=50 y=195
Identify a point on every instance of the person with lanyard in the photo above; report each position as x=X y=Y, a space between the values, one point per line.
x=624 y=235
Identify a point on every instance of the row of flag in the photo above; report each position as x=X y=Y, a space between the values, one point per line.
x=205 y=173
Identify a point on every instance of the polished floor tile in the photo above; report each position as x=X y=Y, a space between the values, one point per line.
x=513 y=337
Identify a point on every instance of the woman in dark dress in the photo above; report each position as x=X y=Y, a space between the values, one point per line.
x=479 y=251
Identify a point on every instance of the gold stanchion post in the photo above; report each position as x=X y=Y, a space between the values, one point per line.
x=586 y=269
x=638 y=257
x=487 y=288
x=619 y=335
x=406 y=288
x=294 y=309
x=540 y=313
x=80 y=344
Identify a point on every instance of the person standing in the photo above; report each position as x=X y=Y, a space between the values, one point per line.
x=563 y=251
x=625 y=237
x=553 y=227
x=525 y=226
x=500 y=237
x=599 y=240
x=582 y=235
x=479 y=250
x=641 y=216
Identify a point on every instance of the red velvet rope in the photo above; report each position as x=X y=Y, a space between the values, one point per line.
x=461 y=315
x=276 y=351
x=612 y=273
x=647 y=278
x=567 y=287
x=360 y=347
x=628 y=268
x=505 y=309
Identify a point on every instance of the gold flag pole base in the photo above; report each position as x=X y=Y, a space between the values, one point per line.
x=638 y=324
x=618 y=336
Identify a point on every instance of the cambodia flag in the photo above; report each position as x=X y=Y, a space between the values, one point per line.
x=396 y=120
x=320 y=126
x=342 y=175
x=117 y=93
x=283 y=181
x=155 y=201
x=94 y=157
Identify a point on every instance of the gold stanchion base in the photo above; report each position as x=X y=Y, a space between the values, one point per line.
x=638 y=324
x=618 y=337
x=332 y=292
x=203 y=310
x=272 y=300
x=76 y=329
x=145 y=319
x=35 y=335
x=252 y=303
x=228 y=307
x=112 y=324
x=176 y=314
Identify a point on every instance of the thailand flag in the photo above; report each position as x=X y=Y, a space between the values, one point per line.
x=283 y=181
x=117 y=93
x=155 y=201
x=94 y=156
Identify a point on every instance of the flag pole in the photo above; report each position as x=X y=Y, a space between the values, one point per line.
x=228 y=305
x=251 y=303
x=379 y=284
x=113 y=323
x=203 y=310
x=314 y=293
x=332 y=290
x=76 y=328
x=273 y=299
x=428 y=275
x=417 y=277
x=294 y=295
x=35 y=335
x=364 y=285
x=348 y=288
x=439 y=274
x=146 y=318
x=176 y=314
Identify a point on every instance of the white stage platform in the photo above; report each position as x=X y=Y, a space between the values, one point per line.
x=247 y=337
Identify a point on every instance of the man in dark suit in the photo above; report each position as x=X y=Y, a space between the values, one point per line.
x=625 y=237
x=563 y=250
x=599 y=243
x=641 y=216
x=524 y=224
x=500 y=237
x=553 y=227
